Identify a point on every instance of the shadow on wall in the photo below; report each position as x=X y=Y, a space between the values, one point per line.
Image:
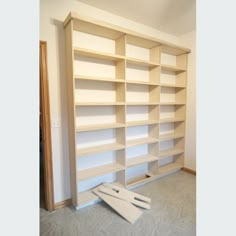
x=62 y=85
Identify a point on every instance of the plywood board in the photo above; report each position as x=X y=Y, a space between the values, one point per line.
x=124 y=208
x=126 y=195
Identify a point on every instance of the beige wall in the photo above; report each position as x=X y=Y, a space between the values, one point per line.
x=52 y=15
x=189 y=40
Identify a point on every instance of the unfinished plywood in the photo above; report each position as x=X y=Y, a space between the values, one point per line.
x=134 y=198
x=124 y=208
x=120 y=84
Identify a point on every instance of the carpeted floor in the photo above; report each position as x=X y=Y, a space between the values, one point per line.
x=173 y=213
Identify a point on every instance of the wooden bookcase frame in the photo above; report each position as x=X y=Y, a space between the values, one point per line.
x=121 y=58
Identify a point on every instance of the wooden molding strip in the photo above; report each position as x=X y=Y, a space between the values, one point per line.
x=190 y=171
x=45 y=124
x=62 y=204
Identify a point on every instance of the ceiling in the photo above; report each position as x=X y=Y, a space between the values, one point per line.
x=175 y=17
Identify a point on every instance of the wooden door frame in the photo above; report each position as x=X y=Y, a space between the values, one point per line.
x=46 y=128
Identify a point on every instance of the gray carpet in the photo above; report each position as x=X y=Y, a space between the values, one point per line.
x=173 y=213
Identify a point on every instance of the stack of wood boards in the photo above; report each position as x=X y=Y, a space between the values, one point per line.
x=123 y=201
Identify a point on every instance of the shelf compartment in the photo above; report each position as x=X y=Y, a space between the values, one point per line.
x=140 y=160
x=98 y=41
x=170 y=131
x=98 y=141
x=95 y=78
x=87 y=116
x=142 y=114
x=172 y=79
x=137 y=175
x=139 y=180
x=144 y=134
x=95 y=29
x=142 y=50
x=141 y=74
x=99 y=55
x=172 y=96
x=98 y=171
x=88 y=91
x=142 y=93
x=172 y=113
x=171 y=150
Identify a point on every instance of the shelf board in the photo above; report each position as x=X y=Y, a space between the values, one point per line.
x=170 y=152
x=88 y=196
x=169 y=168
x=141 y=141
x=141 y=62
x=95 y=78
x=173 y=85
x=141 y=103
x=140 y=160
x=168 y=120
x=142 y=122
x=98 y=149
x=163 y=137
x=172 y=68
x=99 y=127
x=171 y=103
x=99 y=103
x=140 y=82
x=98 y=171
x=98 y=55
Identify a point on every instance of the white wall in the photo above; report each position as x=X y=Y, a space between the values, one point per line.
x=52 y=15
x=189 y=40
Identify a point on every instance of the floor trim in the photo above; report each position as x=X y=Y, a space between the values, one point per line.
x=190 y=171
x=62 y=204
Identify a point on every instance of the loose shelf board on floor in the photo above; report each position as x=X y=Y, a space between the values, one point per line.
x=124 y=208
x=126 y=66
x=123 y=201
x=121 y=193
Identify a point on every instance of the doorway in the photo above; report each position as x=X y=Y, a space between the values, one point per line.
x=46 y=174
